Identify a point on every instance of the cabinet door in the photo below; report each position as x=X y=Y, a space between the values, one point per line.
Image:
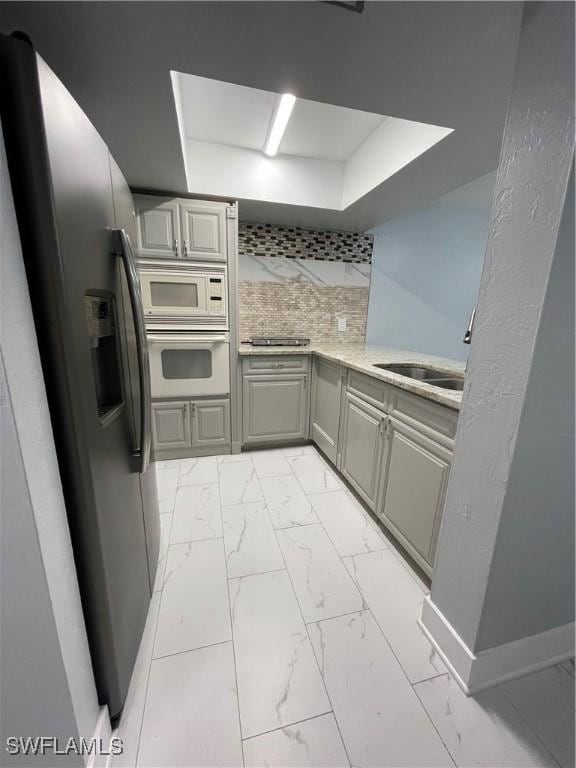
x=363 y=441
x=170 y=425
x=326 y=392
x=275 y=408
x=158 y=227
x=210 y=423
x=203 y=230
x=416 y=475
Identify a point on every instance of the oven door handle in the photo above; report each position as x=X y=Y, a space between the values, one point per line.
x=164 y=338
x=124 y=251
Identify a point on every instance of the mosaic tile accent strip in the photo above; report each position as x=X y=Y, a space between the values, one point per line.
x=303 y=309
x=301 y=243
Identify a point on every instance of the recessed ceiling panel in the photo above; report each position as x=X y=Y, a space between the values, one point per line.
x=326 y=131
x=329 y=156
x=224 y=113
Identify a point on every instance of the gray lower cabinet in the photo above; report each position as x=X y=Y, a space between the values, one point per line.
x=363 y=442
x=194 y=425
x=415 y=475
x=275 y=408
x=394 y=448
x=210 y=423
x=325 y=408
x=171 y=425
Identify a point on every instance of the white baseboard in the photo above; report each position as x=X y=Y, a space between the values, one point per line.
x=109 y=758
x=447 y=643
x=102 y=734
x=476 y=672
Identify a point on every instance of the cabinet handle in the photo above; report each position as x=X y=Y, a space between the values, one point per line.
x=305 y=382
x=193 y=410
x=176 y=246
x=185 y=246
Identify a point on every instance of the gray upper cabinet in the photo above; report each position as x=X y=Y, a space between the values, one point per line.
x=412 y=500
x=171 y=426
x=181 y=229
x=203 y=230
x=210 y=423
x=325 y=409
x=158 y=227
x=362 y=446
x=275 y=408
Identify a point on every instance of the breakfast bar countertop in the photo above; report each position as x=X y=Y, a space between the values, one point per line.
x=364 y=357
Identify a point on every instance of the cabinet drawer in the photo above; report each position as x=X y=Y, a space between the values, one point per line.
x=437 y=421
x=272 y=363
x=373 y=391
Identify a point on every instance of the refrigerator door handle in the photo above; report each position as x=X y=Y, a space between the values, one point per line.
x=124 y=251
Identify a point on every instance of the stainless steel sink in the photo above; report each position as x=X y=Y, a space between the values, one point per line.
x=455 y=383
x=425 y=374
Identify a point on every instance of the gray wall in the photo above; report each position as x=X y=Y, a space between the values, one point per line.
x=531 y=584
x=498 y=463
x=46 y=671
x=426 y=271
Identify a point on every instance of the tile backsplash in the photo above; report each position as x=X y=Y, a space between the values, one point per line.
x=301 y=243
x=300 y=282
x=294 y=309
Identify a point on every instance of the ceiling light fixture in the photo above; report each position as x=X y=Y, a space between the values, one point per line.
x=284 y=107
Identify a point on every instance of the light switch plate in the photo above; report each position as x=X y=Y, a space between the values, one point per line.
x=341 y=323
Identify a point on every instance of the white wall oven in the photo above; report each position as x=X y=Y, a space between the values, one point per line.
x=190 y=298
x=186 y=364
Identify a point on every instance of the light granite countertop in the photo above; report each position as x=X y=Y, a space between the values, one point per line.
x=362 y=357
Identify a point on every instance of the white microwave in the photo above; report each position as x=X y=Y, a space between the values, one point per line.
x=193 y=297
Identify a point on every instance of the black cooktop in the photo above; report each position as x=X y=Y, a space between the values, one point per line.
x=278 y=341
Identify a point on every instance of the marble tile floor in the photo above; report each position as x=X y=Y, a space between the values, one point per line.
x=282 y=632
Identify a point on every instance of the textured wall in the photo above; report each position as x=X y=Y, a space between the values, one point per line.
x=534 y=571
x=300 y=282
x=537 y=155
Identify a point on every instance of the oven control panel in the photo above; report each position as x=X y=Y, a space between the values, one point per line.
x=216 y=296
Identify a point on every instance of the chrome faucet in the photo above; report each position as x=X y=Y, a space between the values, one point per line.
x=468 y=335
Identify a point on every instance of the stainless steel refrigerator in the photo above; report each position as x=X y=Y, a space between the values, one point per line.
x=75 y=217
